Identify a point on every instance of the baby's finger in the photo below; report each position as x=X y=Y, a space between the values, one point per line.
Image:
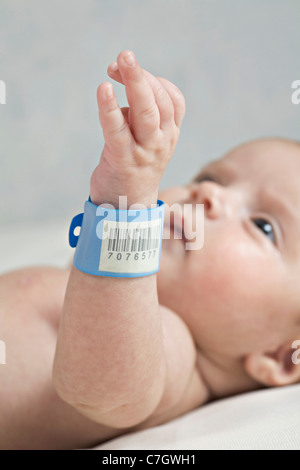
x=114 y=72
x=115 y=128
x=144 y=114
x=163 y=101
x=177 y=99
x=162 y=98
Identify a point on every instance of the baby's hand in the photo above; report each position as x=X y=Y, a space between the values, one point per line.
x=139 y=139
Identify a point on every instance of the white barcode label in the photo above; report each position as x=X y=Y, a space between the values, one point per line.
x=130 y=247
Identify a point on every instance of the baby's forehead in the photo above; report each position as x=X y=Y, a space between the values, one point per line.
x=261 y=168
x=266 y=157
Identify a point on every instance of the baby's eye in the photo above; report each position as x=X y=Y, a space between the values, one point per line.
x=202 y=178
x=266 y=227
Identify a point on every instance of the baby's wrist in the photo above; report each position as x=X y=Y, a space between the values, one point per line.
x=136 y=186
x=124 y=201
x=122 y=194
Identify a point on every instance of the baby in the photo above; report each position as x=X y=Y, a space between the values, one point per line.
x=92 y=357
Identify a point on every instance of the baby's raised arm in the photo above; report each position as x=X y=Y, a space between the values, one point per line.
x=120 y=357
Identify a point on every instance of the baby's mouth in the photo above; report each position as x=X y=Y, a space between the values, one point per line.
x=181 y=228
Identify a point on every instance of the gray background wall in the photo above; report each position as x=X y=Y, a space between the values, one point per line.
x=234 y=60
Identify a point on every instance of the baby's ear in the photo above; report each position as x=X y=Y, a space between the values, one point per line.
x=274 y=368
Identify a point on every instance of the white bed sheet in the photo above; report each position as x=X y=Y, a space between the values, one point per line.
x=35 y=244
x=267 y=419
x=263 y=420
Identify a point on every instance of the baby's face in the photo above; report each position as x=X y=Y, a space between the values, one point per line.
x=240 y=292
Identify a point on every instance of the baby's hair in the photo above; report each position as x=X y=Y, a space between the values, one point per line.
x=293 y=141
x=288 y=140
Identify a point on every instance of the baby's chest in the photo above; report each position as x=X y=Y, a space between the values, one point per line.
x=34 y=291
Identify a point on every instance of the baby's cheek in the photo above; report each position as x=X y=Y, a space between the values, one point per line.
x=220 y=260
x=231 y=279
x=242 y=267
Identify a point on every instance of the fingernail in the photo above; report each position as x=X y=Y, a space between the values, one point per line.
x=113 y=67
x=129 y=59
x=109 y=91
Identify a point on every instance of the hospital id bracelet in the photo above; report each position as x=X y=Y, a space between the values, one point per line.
x=117 y=243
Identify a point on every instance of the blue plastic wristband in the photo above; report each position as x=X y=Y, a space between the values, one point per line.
x=117 y=243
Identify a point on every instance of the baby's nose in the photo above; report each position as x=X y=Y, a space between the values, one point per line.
x=214 y=198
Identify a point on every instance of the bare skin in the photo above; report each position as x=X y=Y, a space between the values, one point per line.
x=196 y=332
x=33 y=416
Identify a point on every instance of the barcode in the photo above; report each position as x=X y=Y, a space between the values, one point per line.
x=138 y=239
